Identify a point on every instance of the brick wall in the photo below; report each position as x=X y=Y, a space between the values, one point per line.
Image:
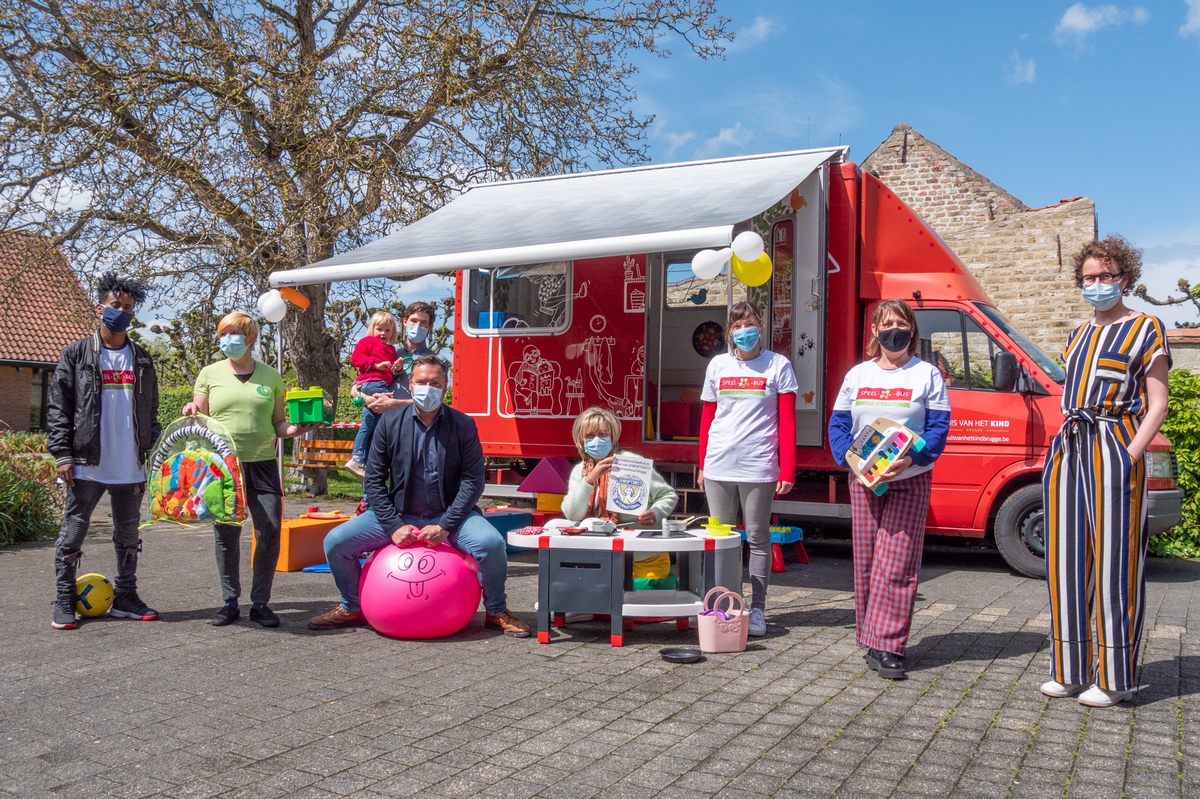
x=16 y=390
x=1013 y=251
x=1016 y=260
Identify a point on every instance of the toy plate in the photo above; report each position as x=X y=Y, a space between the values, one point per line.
x=681 y=654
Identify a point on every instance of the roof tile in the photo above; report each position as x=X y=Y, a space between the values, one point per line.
x=43 y=308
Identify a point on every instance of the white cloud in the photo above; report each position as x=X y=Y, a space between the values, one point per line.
x=728 y=139
x=677 y=140
x=1079 y=20
x=1024 y=70
x=429 y=288
x=761 y=29
x=1191 y=26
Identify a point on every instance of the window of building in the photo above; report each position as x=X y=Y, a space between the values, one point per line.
x=520 y=300
x=39 y=399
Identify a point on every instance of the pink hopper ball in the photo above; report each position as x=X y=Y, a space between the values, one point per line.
x=419 y=591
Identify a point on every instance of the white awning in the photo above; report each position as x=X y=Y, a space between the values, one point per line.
x=569 y=217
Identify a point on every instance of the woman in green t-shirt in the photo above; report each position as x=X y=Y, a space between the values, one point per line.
x=246 y=396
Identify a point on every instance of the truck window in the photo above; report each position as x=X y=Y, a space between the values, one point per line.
x=981 y=354
x=685 y=290
x=1047 y=364
x=519 y=300
x=942 y=344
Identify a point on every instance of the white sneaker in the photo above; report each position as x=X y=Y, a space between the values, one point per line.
x=1098 y=697
x=758 y=622
x=1060 y=690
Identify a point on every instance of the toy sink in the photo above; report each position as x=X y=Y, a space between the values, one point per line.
x=307 y=406
x=714 y=527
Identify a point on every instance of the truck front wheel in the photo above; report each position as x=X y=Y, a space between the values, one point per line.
x=1021 y=531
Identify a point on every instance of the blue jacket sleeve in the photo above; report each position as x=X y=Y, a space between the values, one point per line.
x=380 y=471
x=471 y=479
x=840 y=425
x=937 y=428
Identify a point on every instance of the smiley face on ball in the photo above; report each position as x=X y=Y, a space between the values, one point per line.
x=414 y=569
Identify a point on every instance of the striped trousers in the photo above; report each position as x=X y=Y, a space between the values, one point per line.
x=1095 y=501
x=888 y=534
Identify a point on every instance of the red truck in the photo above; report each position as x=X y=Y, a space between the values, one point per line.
x=578 y=290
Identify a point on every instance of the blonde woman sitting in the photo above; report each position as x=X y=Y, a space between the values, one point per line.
x=597 y=433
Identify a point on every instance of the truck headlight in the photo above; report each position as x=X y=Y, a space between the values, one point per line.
x=1162 y=465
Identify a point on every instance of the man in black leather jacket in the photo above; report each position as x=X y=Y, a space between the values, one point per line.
x=103 y=420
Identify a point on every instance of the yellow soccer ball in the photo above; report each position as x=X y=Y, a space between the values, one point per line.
x=93 y=595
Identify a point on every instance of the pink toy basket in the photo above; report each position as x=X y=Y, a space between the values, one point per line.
x=723 y=630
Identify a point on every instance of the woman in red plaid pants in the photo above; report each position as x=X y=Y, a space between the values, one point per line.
x=889 y=529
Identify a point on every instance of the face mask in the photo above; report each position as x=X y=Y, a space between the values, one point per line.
x=233 y=345
x=427 y=398
x=416 y=334
x=116 y=320
x=597 y=447
x=746 y=338
x=895 y=339
x=1101 y=295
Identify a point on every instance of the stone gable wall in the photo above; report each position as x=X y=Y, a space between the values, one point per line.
x=947 y=193
x=1016 y=260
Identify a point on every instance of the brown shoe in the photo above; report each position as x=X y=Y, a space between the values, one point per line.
x=357 y=469
x=336 y=619
x=507 y=623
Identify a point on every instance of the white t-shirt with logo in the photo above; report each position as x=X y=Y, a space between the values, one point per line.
x=743 y=441
x=902 y=395
x=118 y=438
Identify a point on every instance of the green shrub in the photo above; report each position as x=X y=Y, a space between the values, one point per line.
x=171 y=402
x=30 y=502
x=1182 y=429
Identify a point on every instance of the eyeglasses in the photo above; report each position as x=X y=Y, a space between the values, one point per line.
x=1106 y=278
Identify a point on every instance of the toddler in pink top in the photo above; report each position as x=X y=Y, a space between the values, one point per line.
x=373 y=357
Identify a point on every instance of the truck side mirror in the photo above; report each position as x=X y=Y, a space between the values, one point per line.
x=1004 y=372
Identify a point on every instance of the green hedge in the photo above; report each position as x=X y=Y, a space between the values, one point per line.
x=1182 y=429
x=30 y=501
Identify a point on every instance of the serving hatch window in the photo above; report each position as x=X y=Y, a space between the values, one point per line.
x=520 y=300
x=685 y=290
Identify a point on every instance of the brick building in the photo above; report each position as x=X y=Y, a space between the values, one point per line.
x=42 y=309
x=1020 y=255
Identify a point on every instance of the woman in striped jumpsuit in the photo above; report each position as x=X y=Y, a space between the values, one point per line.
x=1094 y=483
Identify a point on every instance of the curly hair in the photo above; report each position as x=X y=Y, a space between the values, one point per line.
x=113 y=284
x=1113 y=250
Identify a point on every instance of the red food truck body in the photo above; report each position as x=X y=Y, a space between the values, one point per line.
x=569 y=313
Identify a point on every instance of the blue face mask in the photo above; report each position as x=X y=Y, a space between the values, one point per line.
x=427 y=398
x=116 y=320
x=233 y=345
x=1102 y=296
x=416 y=334
x=746 y=338
x=597 y=447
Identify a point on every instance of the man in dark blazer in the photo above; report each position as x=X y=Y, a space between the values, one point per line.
x=424 y=476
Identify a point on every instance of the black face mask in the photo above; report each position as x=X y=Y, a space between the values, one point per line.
x=895 y=339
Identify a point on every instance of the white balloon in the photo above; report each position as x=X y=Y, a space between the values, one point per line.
x=748 y=245
x=726 y=256
x=707 y=264
x=272 y=306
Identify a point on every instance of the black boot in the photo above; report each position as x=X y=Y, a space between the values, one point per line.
x=885 y=664
x=126 y=602
x=66 y=564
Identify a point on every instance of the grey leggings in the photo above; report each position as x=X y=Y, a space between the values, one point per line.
x=756 y=510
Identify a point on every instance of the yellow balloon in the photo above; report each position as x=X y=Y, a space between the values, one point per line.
x=753 y=273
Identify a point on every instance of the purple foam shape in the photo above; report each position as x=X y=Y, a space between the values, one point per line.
x=550 y=476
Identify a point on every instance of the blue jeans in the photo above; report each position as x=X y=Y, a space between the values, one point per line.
x=476 y=537
x=362 y=441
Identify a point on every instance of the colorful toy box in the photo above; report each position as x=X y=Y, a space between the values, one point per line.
x=876 y=447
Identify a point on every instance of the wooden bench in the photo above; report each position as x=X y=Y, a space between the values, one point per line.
x=321 y=453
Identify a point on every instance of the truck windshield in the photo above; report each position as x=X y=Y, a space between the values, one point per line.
x=1052 y=369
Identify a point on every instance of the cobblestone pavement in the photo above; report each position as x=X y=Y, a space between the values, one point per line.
x=179 y=708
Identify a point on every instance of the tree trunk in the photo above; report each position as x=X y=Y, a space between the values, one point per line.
x=311 y=349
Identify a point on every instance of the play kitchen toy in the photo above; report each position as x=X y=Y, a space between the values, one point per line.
x=307 y=406
x=582 y=573
x=723 y=629
x=881 y=443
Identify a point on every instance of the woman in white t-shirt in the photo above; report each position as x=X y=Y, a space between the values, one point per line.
x=889 y=530
x=748 y=441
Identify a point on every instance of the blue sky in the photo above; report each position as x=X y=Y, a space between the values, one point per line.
x=1047 y=99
